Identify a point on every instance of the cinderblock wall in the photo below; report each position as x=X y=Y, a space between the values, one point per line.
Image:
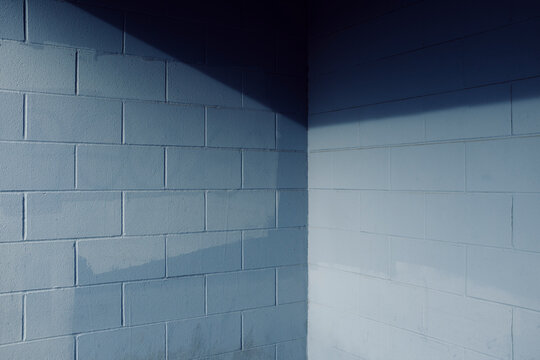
x=152 y=180
x=424 y=180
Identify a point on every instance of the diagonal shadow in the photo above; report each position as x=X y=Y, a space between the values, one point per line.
x=256 y=48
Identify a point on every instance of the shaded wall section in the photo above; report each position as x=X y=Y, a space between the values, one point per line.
x=424 y=180
x=153 y=176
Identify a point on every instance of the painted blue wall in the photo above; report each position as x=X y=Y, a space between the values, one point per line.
x=424 y=180
x=153 y=176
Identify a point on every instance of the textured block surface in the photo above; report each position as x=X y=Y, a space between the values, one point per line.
x=11 y=217
x=184 y=40
x=432 y=167
x=142 y=147
x=525 y=105
x=266 y=248
x=350 y=250
x=276 y=324
x=60 y=348
x=73 y=310
x=37 y=68
x=89 y=27
x=291 y=132
x=73 y=119
x=431 y=264
x=119 y=167
x=129 y=343
x=290 y=350
x=493 y=274
x=204 y=336
x=526 y=229
x=163 y=124
x=292 y=208
x=422 y=181
x=36 y=166
x=265 y=169
x=240 y=128
x=215 y=85
x=73 y=214
x=240 y=290
x=504 y=165
x=204 y=253
x=12 y=20
x=526 y=332
x=112 y=260
x=147 y=213
x=119 y=76
x=161 y=300
x=232 y=210
x=203 y=169
x=36 y=265
x=11 y=318
x=11 y=119
x=292 y=284
x=483 y=219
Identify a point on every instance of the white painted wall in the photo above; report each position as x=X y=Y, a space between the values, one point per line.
x=424 y=181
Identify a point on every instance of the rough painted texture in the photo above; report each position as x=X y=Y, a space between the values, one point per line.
x=151 y=176
x=153 y=161
x=424 y=180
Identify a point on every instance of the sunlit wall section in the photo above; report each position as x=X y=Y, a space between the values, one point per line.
x=424 y=180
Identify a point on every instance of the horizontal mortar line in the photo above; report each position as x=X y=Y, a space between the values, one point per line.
x=257 y=347
x=422 y=334
x=22 y=342
x=428 y=142
x=125 y=282
x=288 y=189
x=204 y=316
x=82 y=191
x=151 y=58
x=461 y=243
x=112 y=237
x=164 y=323
x=410 y=285
x=268 y=307
x=365 y=21
x=131 y=236
x=428 y=192
x=251 y=309
x=157 y=190
x=351 y=355
x=75 y=335
x=15 y=342
x=514 y=306
x=150 y=101
x=33 y=44
x=432 y=45
x=285 y=341
x=223 y=272
x=353 y=107
x=387 y=189
x=119 y=328
x=154 y=189
x=127 y=145
x=119 y=190
x=281 y=267
x=323 y=266
x=47 y=241
x=363 y=274
x=118 y=283
x=267 y=345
